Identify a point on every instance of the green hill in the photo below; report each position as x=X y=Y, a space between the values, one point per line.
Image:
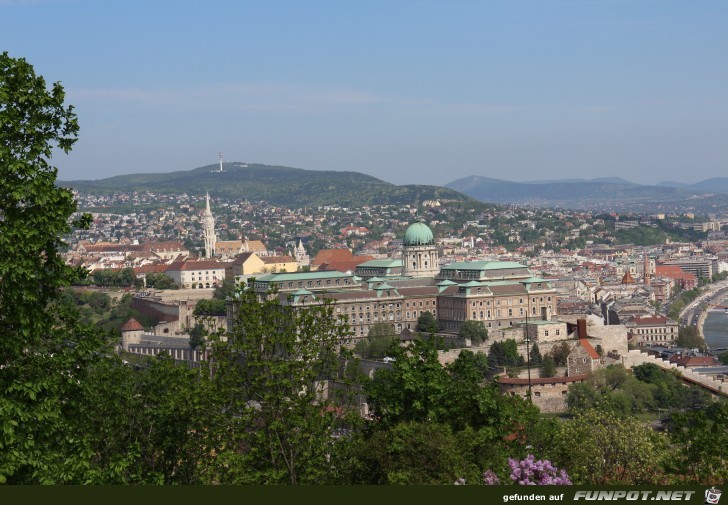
x=275 y=184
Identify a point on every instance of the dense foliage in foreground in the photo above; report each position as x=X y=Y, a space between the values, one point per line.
x=72 y=412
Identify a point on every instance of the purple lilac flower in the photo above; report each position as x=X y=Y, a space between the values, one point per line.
x=490 y=478
x=531 y=472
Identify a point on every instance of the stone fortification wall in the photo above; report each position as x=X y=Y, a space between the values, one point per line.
x=156 y=309
x=547 y=397
x=611 y=338
x=636 y=357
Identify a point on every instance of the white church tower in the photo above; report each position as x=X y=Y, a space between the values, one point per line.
x=299 y=252
x=208 y=227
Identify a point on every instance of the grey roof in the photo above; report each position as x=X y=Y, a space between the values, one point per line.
x=160 y=341
x=383 y=263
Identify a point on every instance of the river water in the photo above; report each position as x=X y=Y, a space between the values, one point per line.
x=715 y=329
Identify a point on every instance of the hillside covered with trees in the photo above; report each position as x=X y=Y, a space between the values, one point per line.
x=279 y=185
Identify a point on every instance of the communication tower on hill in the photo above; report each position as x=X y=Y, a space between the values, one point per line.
x=220 y=170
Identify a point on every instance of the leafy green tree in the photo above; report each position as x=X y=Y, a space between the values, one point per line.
x=380 y=338
x=412 y=390
x=475 y=331
x=535 y=355
x=98 y=300
x=210 y=307
x=505 y=354
x=701 y=436
x=382 y=330
x=164 y=424
x=723 y=357
x=412 y=452
x=549 y=367
x=124 y=277
x=270 y=367
x=426 y=323
x=689 y=337
x=45 y=351
x=197 y=336
x=34 y=212
x=560 y=353
x=581 y=396
x=419 y=389
x=603 y=448
x=224 y=290
x=160 y=281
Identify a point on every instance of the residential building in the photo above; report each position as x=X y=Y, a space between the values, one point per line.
x=650 y=331
x=197 y=274
x=685 y=280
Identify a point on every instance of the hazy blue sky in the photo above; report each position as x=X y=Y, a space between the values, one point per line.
x=407 y=91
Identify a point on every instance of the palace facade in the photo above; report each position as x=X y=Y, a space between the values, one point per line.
x=397 y=291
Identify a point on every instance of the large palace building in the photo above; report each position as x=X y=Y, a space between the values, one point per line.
x=498 y=293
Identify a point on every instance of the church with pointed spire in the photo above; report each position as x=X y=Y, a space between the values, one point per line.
x=208 y=227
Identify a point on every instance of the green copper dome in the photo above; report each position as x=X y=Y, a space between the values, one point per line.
x=418 y=234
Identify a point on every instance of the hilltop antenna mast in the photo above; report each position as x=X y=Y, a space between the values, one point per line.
x=220 y=156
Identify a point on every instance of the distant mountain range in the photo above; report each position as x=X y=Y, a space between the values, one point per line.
x=276 y=184
x=295 y=187
x=715 y=185
x=602 y=194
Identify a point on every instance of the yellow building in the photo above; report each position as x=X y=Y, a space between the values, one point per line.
x=279 y=264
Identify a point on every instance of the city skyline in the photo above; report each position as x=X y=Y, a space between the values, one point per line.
x=412 y=92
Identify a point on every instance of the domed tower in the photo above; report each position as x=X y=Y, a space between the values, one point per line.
x=131 y=333
x=419 y=254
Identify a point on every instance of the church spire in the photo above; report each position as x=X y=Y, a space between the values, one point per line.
x=208 y=227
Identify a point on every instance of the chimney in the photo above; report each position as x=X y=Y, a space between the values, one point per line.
x=581 y=328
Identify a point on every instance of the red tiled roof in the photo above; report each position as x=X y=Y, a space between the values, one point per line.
x=242 y=258
x=589 y=349
x=132 y=325
x=673 y=271
x=332 y=256
x=693 y=360
x=196 y=265
x=228 y=245
x=653 y=320
x=342 y=266
x=255 y=246
x=151 y=269
x=171 y=245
